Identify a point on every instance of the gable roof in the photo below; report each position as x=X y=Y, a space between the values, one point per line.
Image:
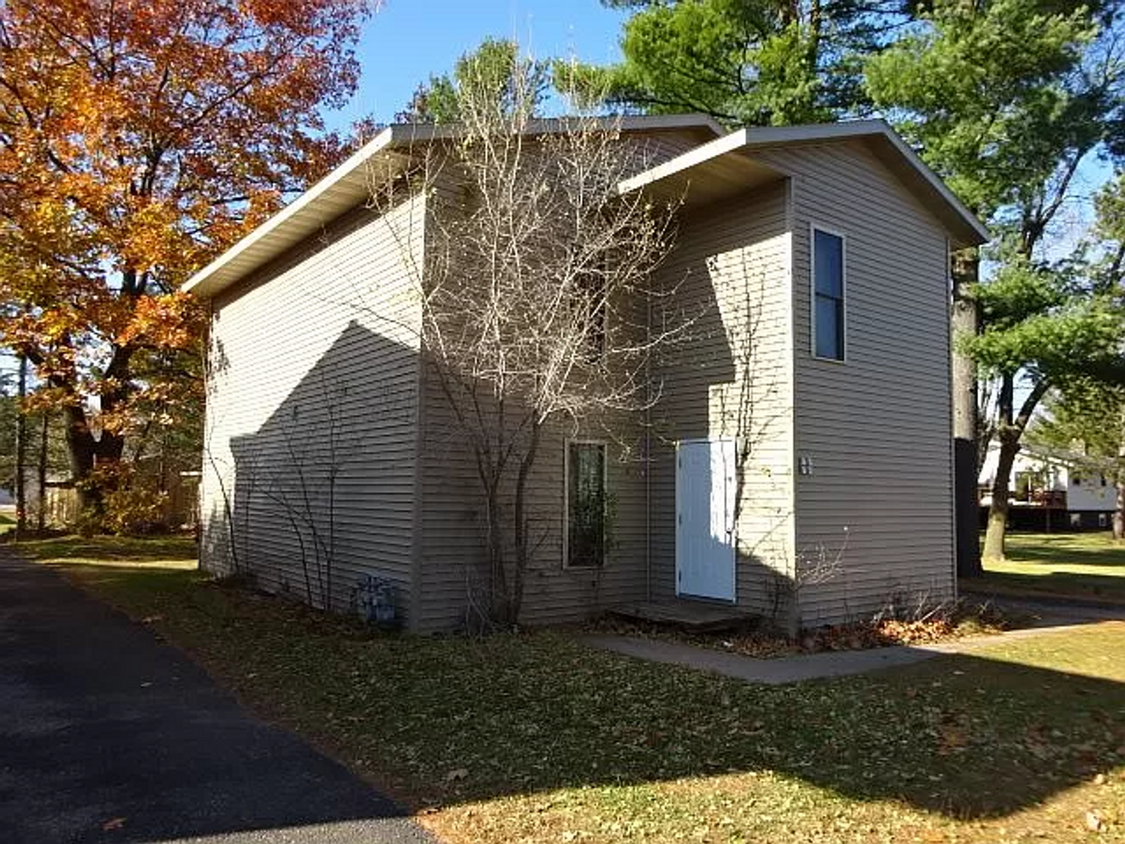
x=728 y=165
x=385 y=156
x=716 y=168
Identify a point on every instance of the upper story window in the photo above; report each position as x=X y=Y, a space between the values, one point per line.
x=594 y=318
x=828 y=295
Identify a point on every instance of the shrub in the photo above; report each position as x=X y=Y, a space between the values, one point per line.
x=130 y=503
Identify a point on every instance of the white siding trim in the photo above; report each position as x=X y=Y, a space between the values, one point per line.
x=699 y=155
x=813 y=229
x=789 y=558
x=952 y=438
x=350 y=184
x=755 y=139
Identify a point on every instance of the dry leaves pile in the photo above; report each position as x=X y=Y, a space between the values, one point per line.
x=761 y=640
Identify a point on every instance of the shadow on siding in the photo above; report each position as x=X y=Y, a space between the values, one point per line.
x=323 y=490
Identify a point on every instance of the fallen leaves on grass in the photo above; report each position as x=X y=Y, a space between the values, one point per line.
x=761 y=640
x=554 y=737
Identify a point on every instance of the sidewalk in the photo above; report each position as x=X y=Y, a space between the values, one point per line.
x=773 y=672
x=1049 y=617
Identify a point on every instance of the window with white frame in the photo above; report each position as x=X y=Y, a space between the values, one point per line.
x=585 y=504
x=828 y=295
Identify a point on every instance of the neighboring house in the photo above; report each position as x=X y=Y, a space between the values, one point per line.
x=328 y=439
x=1052 y=491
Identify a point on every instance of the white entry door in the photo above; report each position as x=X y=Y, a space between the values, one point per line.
x=705 y=489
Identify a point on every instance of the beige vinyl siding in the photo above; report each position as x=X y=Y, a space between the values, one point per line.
x=454 y=576
x=454 y=579
x=877 y=426
x=732 y=274
x=558 y=594
x=658 y=147
x=453 y=573
x=312 y=412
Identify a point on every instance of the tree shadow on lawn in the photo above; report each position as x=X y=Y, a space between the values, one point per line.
x=102 y=549
x=1065 y=550
x=965 y=736
x=1060 y=583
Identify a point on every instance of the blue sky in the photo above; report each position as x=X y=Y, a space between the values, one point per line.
x=407 y=40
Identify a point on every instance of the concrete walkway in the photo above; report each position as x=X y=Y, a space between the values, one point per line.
x=791 y=669
x=107 y=735
x=1046 y=616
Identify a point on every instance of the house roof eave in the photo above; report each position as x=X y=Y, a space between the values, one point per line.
x=335 y=193
x=964 y=227
x=350 y=184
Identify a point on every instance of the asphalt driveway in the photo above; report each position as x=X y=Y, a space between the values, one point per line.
x=108 y=735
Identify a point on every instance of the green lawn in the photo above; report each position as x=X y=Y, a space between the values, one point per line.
x=537 y=738
x=156 y=551
x=1084 y=565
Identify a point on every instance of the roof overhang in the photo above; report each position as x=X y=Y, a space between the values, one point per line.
x=387 y=155
x=339 y=191
x=729 y=165
x=706 y=174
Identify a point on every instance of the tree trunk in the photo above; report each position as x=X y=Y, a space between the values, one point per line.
x=1119 y=511
x=21 y=453
x=523 y=550
x=965 y=321
x=86 y=452
x=81 y=448
x=1010 y=428
x=998 y=512
x=111 y=447
x=496 y=562
x=44 y=432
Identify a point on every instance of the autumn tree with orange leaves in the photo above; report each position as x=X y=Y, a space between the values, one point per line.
x=138 y=139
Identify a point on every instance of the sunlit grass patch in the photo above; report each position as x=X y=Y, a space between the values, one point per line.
x=1083 y=565
x=162 y=552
